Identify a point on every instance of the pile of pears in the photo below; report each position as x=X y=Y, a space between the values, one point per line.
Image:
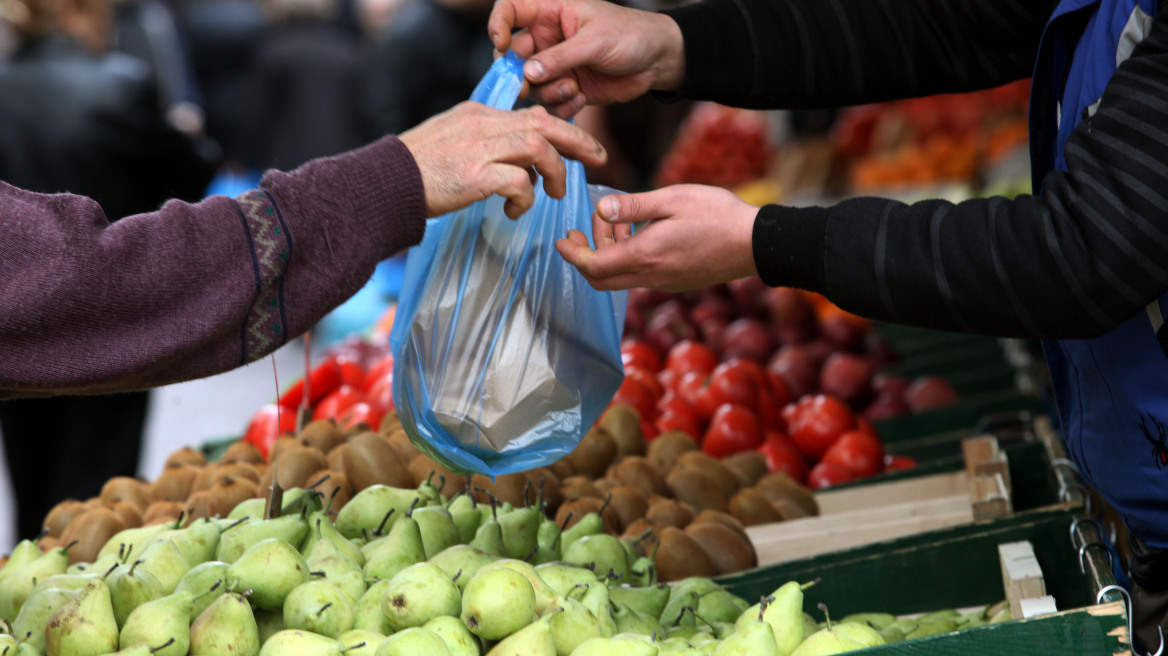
x=395 y=572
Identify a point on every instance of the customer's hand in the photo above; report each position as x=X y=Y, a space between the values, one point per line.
x=696 y=236
x=589 y=51
x=472 y=151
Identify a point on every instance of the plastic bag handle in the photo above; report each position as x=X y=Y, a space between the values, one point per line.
x=501 y=86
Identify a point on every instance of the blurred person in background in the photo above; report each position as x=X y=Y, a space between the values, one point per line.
x=75 y=119
x=304 y=87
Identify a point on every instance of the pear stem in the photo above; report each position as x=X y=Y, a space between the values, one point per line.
x=413 y=504
x=155 y=650
x=383 y=521
x=41 y=535
x=527 y=492
x=826 y=616
x=234 y=524
x=567 y=518
x=70 y=545
x=441 y=482
x=319 y=535
x=352 y=647
x=762 y=605
x=178 y=520
x=324 y=608
x=319 y=482
x=605 y=506
x=644 y=536
x=110 y=570
x=456 y=575
x=136 y=564
x=811 y=583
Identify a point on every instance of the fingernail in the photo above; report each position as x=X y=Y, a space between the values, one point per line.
x=607 y=208
x=533 y=70
x=495 y=39
x=579 y=101
x=565 y=91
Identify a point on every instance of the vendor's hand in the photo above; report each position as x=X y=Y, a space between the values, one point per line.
x=589 y=51
x=472 y=151
x=697 y=236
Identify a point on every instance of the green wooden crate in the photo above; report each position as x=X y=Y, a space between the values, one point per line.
x=959 y=567
x=963 y=416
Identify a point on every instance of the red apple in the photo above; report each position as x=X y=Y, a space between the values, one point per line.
x=798 y=369
x=848 y=376
x=929 y=392
x=842 y=333
x=747 y=295
x=747 y=338
x=893 y=384
x=791 y=317
x=713 y=307
x=885 y=406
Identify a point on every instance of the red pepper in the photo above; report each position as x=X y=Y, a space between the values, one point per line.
x=322 y=381
x=268 y=424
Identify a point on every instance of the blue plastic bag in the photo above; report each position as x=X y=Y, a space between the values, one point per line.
x=504 y=356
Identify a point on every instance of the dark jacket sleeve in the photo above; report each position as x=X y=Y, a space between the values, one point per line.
x=801 y=54
x=1073 y=262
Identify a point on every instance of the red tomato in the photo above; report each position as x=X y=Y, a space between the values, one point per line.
x=669 y=421
x=673 y=403
x=857 y=451
x=647 y=379
x=335 y=404
x=360 y=413
x=352 y=373
x=689 y=355
x=817 y=426
x=668 y=380
x=733 y=429
x=734 y=382
x=826 y=474
x=380 y=394
x=381 y=368
x=269 y=423
x=694 y=389
x=322 y=380
x=894 y=462
x=639 y=353
x=781 y=455
x=635 y=395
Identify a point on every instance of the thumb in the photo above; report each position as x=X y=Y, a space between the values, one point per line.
x=554 y=62
x=631 y=208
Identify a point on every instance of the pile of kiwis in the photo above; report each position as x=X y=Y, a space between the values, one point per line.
x=687 y=508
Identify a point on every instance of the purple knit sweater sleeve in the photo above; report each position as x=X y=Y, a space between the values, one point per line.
x=189 y=291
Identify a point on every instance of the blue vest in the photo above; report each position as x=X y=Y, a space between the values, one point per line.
x=1111 y=391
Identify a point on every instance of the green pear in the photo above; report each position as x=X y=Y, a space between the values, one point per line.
x=271 y=569
x=438 y=529
x=128 y=544
x=38 y=609
x=497 y=603
x=632 y=621
x=7 y=644
x=84 y=626
x=22 y=554
x=520 y=529
x=643 y=572
x=721 y=606
x=784 y=612
x=268 y=622
x=535 y=639
x=367 y=614
x=590 y=524
x=466 y=516
x=669 y=645
x=418 y=594
x=543 y=594
x=322 y=528
x=155 y=622
x=135 y=650
x=892 y=634
x=648 y=600
x=594 y=597
x=356 y=642
x=402 y=547
x=206 y=582
x=164 y=560
x=248 y=508
x=415 y=641
x=875 y=620
x=318 y=606
x=326 y=559
x=861 y=633
x=98 y=567
x=562 y=577
x=197 y=542
x=461 y=561
x=19 y=583
x=571 y=624
x=824 y=643
x=811 y=626
x=226 y=628
x=64 y=581
x=935 y=626
x=131 y=587
x=459 y=640
x=489 y=538
x=615 y=646
x=547 y=542
x=236 y=540
x=752 y=638
x=679 y=602
x=367 y=510
x=294 y=642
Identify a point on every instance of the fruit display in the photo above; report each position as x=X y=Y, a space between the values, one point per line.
x=394 y=573
x=718 y=145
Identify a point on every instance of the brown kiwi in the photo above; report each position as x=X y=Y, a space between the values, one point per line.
x=790 y=488
x=128 y=512
x=604 y=485
x=697 y=488
x=199 y=505
x=186 y=456
x=125 y=488
x=629 y=504
x=725 y=479
x=228 y=492
x=162 y=511
x=623 y=423
x=669 y=513
x=241 y=451
x=789 y=509
x=448 y=483
x=406 y=451
x=563 y=469
x=336 y=484
x=579 y=487
x=637 y=531
x=335 y=457
x=728 y=551
x=237 y=470
x=752 y=508
x=679 y=556
x=747 y=467
x=507 y=488
x=323 y=434
x=665 y=450
x=295 y=466
x=370 y=460
x=204 y=478
x=174 y=483
x=725 y=519
x=389 y=422
x=640 y=473
x=90 y=531
x=594 y=453
x=61 y=514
